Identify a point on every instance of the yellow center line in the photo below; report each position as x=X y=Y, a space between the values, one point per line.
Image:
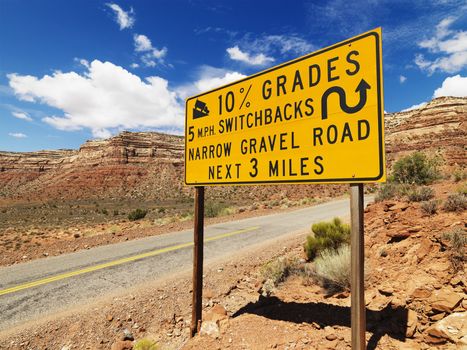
x=116 y=262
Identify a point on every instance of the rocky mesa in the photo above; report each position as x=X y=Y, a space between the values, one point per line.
x=150 y=164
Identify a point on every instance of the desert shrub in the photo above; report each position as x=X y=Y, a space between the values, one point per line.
x=416 y=168
x=145 y=344
x=421 y=194
x=327 y=235
x=386 y=191
x=213 y=209
x=457 y=239
x=459 y=175
x=455 y=202
x=462 y=190
x=429 y=207
x=105 y=211
x=116 y=213
x=278 y=270
x=332 y=268
x=137 y=214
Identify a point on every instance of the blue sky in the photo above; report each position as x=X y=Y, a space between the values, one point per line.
x=76 y=70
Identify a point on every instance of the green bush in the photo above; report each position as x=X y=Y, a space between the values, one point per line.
x=145 y=344
x=137 y=214
x=332 y=268
x=327 y=235
x=455 y=202
x=421 y=194
x=213 y=209
x=429 y=207
x=416 y=168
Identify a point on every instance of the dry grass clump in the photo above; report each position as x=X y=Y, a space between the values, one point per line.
x=278 y=270
x=457 y=239
x=455 y=202
x=332 y=268
x=429 y=207
x=421 y=194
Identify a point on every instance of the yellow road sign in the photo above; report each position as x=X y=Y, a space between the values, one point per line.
x=315 y=119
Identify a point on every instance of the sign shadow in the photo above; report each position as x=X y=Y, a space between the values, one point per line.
x=390 y=321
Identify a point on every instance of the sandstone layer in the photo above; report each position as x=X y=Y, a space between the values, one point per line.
x=150 y=165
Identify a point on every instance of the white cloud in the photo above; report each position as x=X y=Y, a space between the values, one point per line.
x=260 y=50
x=142 y=43
x=150 y=55
x=285 y=44
x=208 y=79
x=402 y=79
x=254 y=60
x=420 y=105
x=18 y=135
x=103 y=99
x=124 y=19
x=452 y=86
x=22 y=115
x=450 y=46
x=134 y=65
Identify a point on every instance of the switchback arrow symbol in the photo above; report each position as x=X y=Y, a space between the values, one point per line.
x=362 y=87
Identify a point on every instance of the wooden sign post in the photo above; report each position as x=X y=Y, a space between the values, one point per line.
x=357 y=288
x=197 y=304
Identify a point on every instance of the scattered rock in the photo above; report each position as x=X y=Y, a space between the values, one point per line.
x=421 y=293
x=445 y=300
x=437 y=317
x=398 y=234
x=456 y=280
x=412 y=323
x=110 y=318
x=414 y=229
x=398 y=206
x=216 y=314
x=210 y=328
x=208 y=294
x=127 y=335
x=425 y=247
x=386 y=290
x=452 y=328
x=122 y=345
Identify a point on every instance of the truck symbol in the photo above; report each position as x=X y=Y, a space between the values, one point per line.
x=200 y=110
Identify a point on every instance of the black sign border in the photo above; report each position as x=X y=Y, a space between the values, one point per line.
x=310 y=181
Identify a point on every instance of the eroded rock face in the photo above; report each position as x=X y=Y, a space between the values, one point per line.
x=440 y=127
x=109 y=168
x=151 y=165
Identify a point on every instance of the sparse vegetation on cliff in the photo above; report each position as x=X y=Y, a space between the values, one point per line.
x=416 y=168
x=455 y=202
x=137 y=214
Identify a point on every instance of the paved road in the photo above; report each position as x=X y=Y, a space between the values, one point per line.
x=36 y=288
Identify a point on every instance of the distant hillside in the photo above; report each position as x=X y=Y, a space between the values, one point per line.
x=150 y=165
